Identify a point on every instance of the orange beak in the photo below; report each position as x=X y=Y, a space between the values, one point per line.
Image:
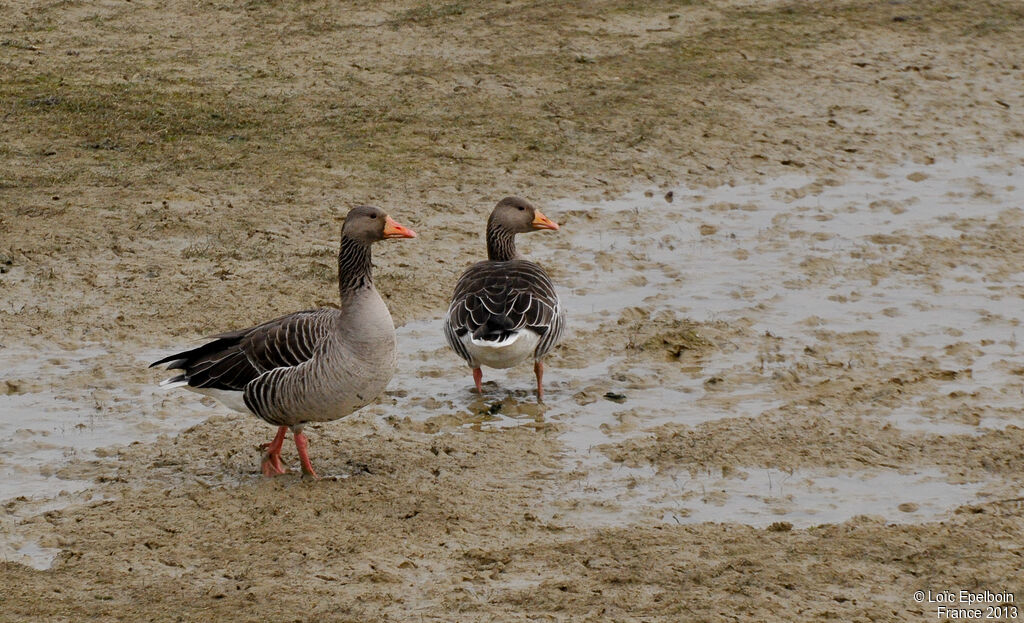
x=542 y=222
x=394 y=230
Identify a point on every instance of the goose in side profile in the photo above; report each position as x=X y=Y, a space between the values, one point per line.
x=311 y=366
x=505 y=310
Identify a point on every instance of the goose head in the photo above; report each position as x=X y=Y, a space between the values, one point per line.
x=369 y=224
x=519 y=216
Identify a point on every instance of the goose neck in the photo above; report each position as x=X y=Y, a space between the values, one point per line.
x=501 y=243
x=355 y=267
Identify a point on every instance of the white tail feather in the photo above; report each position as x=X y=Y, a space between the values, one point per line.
x=502 y=354
x=507 y=341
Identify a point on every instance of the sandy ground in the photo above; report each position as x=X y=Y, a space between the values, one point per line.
x=827 y=301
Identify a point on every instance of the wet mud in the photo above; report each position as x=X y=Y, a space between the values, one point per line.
x=790 y=389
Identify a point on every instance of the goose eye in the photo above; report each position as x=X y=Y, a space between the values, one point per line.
x=521 y=208
x=373 y=216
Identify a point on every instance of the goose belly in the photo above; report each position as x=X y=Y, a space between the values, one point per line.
x=504 y=354
x=354 y=393
x=322 y=391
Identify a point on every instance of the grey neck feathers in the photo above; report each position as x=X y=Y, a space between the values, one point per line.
x=354 y=267
x=501 y=243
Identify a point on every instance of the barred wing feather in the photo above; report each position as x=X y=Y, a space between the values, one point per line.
x=233 y=359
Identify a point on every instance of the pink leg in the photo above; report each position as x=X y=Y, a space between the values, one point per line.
x=478 y=377
x=538 y=369
x=272 y=459
x=301 y=443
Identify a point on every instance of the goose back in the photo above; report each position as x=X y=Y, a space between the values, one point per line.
x=494 y=299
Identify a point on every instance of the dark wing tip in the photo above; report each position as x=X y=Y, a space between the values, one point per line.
x=165 y=360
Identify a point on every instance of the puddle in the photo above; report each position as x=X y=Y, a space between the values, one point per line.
x=796 y=259
x=759 y=497
x=62 y=404
x=58 y=405
x=805 y=498
x=33 y=555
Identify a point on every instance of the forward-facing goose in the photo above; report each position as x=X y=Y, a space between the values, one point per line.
x=505 y=310
x=311 y=366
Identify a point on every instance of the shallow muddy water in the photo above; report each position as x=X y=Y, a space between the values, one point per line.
x=777 y=276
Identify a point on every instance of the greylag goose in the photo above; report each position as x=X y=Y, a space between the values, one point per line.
x=505 y=310
x=310 y=366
